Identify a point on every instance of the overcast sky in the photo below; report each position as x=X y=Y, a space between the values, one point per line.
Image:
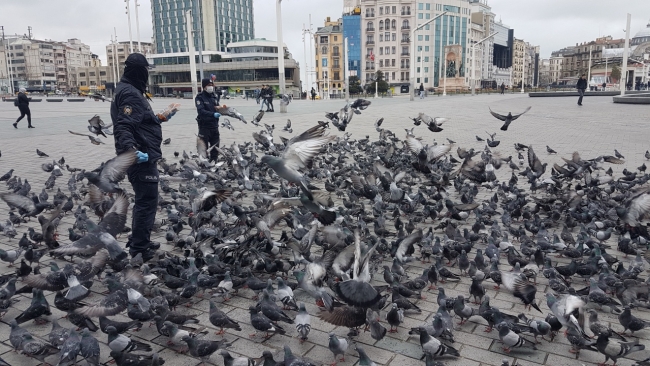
x=551 y=24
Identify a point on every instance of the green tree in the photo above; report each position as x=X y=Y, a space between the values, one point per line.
x=355 y=85
x=382 y=85
x=215 y=58
x=615 y=74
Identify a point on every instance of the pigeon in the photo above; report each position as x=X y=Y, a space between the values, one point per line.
x=630 y=322
x=120 y=327
x=219 y=319
x=462 y=310
x=131 y=359
x=24 y=204
x=121 y=343
x=394 y=317
x=338 y=346
x=35 y=348
x=89 y=349
x=616 y=350
x=36 y=309
x=58 y=334
x=511 y=339
x=112 y=172
x=364 y=360
x=433 y=347
x=202 y=348
x=303 y=323
x=291 y=360
x=97 y=126
x=93 y=140
x=507 y=119
x=263 y=324
x=70 y=349
x=228 y=360
x=41 y=154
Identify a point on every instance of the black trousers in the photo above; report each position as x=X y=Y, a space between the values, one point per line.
x=582 y=94
x=24 y=111
x=211 y=137
x=269 y=103
x=144 y=180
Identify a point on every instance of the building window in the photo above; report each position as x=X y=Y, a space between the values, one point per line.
x=381 y=11
x=323 y=39
x=394 y=12
x=381 y=25
x=405 y=24
x=387 y=50
x=336 y=49
x=393 y=50
x=381 y=63
x=381 y=49
x=82 y=74
x=381 y=38
x=337 y=77
x=393 y=24
x=420 y=6
x=392 y=63
x=324 y=50
x=336 y=38
x=394 y=36
x=324 y=62
x=370 y=26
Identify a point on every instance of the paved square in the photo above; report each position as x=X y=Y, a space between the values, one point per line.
x=595 y=129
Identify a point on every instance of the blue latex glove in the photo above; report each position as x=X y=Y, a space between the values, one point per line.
x=142 y=157
x=171 y=115
x=217 y=114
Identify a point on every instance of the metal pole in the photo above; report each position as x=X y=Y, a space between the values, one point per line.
x=347 y=70
x=311 y=49
x=412 y=68
x=623 y=80
x=128 y=15
x=190 y=48
x=117 y=59
x=471 y=75
x=304 y=47
x=278 y=12
x=200 y=36
x=605 y=71
x=137 y=26
x=589 y=67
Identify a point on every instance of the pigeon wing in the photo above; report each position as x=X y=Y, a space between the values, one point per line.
x=533 y=160
x=20 y=201
x=497 y=115
x=437 y=151
x=274 y=216
x=115 y=219
x=115 y=169
x=299 y=154
x=80 y=134
x=345 y=316
x=518 y=115
x=414 y=144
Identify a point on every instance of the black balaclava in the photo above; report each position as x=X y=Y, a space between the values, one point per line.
x=136 y=71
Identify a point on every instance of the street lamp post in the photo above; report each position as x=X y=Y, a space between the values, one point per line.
x=589 y=67
x=346 y=69
x=474 y=61
x=412 y=75
x=128 y=15
x=278 y=11
x=523 y=69
x=137 y=26
x=623 y=81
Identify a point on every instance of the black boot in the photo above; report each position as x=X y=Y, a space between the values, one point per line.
x=15 y=124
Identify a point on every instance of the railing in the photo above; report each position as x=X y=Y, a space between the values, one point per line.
x=406 y=27
x=405 y=53
x=370 y=29
x=370 y=67
x=370 y=42
x=406 y=40
x=406 y=13
x=336 y=54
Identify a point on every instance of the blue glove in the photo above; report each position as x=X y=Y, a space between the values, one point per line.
x=171 y=115
x=142 y=157
x=217 y=114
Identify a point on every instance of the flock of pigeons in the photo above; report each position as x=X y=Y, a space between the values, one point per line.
x=338 y=221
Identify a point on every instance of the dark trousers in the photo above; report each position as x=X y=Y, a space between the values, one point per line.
x=582 y=94
x=144 y=180
x=211 y=137
x=24 y=111
x=269 y=103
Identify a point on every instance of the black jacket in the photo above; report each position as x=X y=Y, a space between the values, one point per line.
x=582 y=84
x=267 y=93
x=23 y=101
x=205 y=107
x=134 y=123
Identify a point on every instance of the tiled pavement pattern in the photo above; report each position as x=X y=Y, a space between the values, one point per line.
x=593 y=129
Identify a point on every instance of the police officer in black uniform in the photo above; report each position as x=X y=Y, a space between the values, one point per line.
x=208 y=117
x=136 y=127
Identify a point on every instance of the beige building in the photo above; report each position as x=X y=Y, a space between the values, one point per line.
x=122 y=51
x=92 y=79
x=525 y=65
x=329 y=58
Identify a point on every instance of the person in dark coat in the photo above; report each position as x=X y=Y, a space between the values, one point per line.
x=136 y=127
x=23 y=107
x=313 y=94
x=267 y=94
x=421 y=91
x=503 y=88
x=208 y=117
x=581 y=86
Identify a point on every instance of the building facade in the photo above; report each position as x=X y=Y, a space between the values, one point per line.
x=329 y=60
x=246 y=66
x=118 y=52
x=43 y=65
x=220 y=22
x=352 y=31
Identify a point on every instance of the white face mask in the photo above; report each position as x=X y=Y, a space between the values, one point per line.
x=209 y=89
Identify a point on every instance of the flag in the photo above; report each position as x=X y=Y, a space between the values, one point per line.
x=372 y=56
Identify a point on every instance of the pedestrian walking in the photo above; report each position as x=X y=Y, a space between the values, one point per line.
x=256 y=94
x=421 y=91
x=22 y=102
x=262 y=98
x=137 y=128
x=208 y=117
x=267 y=94
x=604 y=86
x=313 y=93
x=581 y=86
x=503 y=88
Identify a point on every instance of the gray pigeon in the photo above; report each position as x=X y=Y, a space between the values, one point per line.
x=36 y=349
x=338 y=346
x=616 y=350
x=70 y=349
x=228 y=360
x=36 y=309
x=58 y=334
x=89 y=348
x=219 y=319
x=462 y=310
x=121 y=343
x=112 y=172
x=364 y=360
x=203 y=348
x=433 y=347
x=511 y=339
x=16 y=334
x=303 y=323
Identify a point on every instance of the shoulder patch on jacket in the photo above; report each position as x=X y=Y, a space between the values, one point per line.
x=127 y=110
x=198 y=102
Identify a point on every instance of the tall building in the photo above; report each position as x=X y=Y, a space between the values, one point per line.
x=352 y=31
x=385 y=27
x=481 y=55
x=525 y=63
x=221 y=22
x=329 y=58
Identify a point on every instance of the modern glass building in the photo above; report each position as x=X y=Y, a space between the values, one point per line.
x=450 y=29
x=220 y=21
x=352 y=31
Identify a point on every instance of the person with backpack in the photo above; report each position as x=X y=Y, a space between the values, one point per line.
x=22 y=102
